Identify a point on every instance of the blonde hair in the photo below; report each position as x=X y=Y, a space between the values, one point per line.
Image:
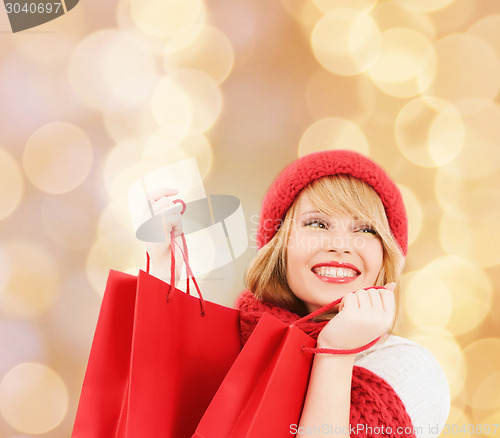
x=333 y=195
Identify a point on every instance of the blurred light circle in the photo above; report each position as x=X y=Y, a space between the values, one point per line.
x=20 y=341
x=469 y=200
x=172 y=107
x=127 y=112
x=119 y=250
x=32 y=281
x=205 y=97
x=471 y=63
x=489 y=421
x=425 y=5
x=333 y=133
x=105 y=59
x=349 y=97
x=392 y=15
x=419 y=290
x=33 y=398
x=406 y=55
x=116 y=215
x=162 y=149
x=487 y=393
x=163 y=18
x=414 y=212
x=202 y=48
x=471 y=239
x=346 y=41
x=305 y=13
x=70 y=219
x=446 y=349
x=326 y=6
x=483 y=360
x=429 y=136
x=487 y=29
x=58 y=157
x=150 y=43
x=470 y=290
x=480 y=154
x=123 y=155
x=11 y=184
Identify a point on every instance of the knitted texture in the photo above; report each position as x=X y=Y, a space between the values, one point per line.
x=285 y=189
x=376 y=409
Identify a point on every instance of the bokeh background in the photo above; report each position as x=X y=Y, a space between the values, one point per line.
x=115 y=89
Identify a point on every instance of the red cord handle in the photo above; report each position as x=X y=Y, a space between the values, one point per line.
x=184 y=253
x=332 y=350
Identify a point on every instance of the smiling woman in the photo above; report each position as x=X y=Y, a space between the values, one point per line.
x=333 y=227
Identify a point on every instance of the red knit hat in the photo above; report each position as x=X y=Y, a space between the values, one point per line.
x=305 y=170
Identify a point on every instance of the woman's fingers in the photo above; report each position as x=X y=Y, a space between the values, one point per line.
x=156 y=194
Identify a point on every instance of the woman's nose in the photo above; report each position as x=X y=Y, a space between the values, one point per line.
x=338 y=241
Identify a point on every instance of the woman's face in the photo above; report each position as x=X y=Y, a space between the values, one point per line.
x=329 y=256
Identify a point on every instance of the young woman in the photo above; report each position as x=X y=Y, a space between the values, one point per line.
x=333 y=226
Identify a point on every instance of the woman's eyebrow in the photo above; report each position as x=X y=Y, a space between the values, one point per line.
x=310 y=212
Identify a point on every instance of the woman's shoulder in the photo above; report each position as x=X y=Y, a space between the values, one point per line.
x=415 y=375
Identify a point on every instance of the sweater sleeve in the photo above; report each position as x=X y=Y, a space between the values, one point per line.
x=417 y=378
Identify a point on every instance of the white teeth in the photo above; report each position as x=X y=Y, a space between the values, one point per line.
x=327 y=271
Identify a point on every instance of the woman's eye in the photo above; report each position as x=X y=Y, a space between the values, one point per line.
x=367 y=230
x=315 y=223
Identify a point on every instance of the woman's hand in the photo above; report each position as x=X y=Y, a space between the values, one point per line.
x=363 y=316
x=160 y=202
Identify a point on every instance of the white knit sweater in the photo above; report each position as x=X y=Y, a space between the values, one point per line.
x=417 y=378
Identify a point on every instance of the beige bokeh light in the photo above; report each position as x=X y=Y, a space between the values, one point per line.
x=480 y=154
x=429 y=136
x=162 y=149
x=406 y=64
x=446 y=349
x=483 y=362
x=163 y=18
x=391 y=14
x=11 y=184
x=470 y=290
x=426 y=299
x=476 y=201
x=487 y=29
x=57 y=157
x=346 y=41
x=326 y=6
x=487 y=393
x=333 y=133
x=413 y=211
x=69 y=219
x=204 y=95
x=118 y=250
x=105 y=59
x=172 y=107
x=348 y=97
x=471 y=239
x=425 y=5
x=467 y=68
x=33 y=398
x=202 y=48
x=32 y=279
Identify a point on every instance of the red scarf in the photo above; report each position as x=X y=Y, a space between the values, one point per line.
x=375 y=406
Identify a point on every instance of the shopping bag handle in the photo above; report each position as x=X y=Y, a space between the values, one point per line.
x=184 y=253
x=333 y=350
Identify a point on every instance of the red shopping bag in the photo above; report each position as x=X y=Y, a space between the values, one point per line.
x=108 y=365
x=157 y=359
x=263 y=393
